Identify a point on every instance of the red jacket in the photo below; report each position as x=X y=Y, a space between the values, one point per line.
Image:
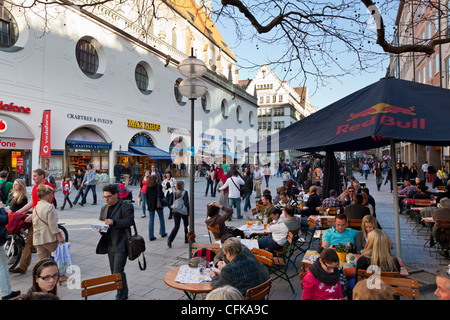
x=219 y=171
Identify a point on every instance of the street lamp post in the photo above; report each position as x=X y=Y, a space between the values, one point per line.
x=192 y=88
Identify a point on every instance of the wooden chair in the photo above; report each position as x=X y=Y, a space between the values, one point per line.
x=354 y=223
x=215 y=231
x=281 y=263
x=193 y=246
x=263 y=256
x=422 y=202
x=403 y=287
x=101 y=284
x=303 y=245
x=364 y=274
x=332 y=211
x=254 y=212
x=444 y=229
x=259 y=292
x=441 y=187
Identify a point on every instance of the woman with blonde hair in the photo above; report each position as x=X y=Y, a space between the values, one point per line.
x=368 y=224
x=381 y=291
x=378 y=252
x=18 y=196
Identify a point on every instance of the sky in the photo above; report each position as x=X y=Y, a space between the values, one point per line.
x=323 y=96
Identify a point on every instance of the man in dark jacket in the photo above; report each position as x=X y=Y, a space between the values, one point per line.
x=356 y=210
x=119 y=216
x=117 y=171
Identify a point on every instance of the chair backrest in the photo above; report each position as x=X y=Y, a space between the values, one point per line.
x=215 y=231
x=259 y=292
x=101 y=284
x=364 y=274
x=403 y=286
x=354 y=223
x=327 y=223
x=197 y=246
x=441 y=187
x=443 y=224
x=422 y=202
x=331 y=210
x=263 y=256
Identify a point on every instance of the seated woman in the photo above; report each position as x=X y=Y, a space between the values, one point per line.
x=215 y=218
x=322 y=280
x=368 y=224
x=278 y=230
x=378 y=252
x=312 y=203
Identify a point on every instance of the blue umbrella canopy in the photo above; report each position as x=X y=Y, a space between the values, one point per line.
x=369 y=118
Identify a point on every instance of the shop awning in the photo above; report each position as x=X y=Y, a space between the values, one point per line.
x=152 y=152
x=88 y=145
x=128 y=153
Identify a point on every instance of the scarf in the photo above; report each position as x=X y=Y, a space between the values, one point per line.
x=329 y=279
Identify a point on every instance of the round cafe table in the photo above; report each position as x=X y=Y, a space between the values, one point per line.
x=190 y=289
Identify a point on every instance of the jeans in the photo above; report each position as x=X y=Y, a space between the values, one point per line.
x=379 y=181
x=366 y=173
x=267 y=181
x=268 y=243
x=216 y=182
x=177 y=221
x=117 y=262
x=151 y=224
x=79 y=194
x=237 y=203
x=134 y=179
x=5 y=285
x=247 y=200
x=144 y=202
x=169 y=198
x=94 y=193
x=209 y=183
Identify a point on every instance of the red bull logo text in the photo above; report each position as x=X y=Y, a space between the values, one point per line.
x=382 y=108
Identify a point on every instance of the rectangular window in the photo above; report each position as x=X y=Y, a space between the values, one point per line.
x=437 y=63
x=424 y=74
x=268 y=99
x=5 y=33
x=430 y=69
x=280 y=98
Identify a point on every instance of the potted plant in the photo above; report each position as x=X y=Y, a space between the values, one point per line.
x=341 y=251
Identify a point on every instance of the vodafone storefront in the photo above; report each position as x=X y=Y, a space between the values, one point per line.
x=16 y=144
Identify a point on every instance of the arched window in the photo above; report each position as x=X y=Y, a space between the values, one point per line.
x=9 y=32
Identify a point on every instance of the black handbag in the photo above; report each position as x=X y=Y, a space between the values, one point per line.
x=135 y=244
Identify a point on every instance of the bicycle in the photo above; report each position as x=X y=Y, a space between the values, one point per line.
x=15 y=243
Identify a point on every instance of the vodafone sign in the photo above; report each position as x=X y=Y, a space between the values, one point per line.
x=3 y=126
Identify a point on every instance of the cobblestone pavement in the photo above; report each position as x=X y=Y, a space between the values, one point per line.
x=149 y=284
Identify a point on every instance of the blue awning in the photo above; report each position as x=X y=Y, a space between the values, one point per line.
x=152 y=152
x=128 y=153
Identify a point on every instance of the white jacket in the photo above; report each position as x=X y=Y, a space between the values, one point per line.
x=233 y=190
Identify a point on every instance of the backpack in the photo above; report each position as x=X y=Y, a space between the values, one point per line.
x=206 y=254
x=3 y=195
x=179 y=206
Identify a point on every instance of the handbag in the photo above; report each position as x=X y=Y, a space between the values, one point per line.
x=63 y=258
x=135 y=244
x=179 y=206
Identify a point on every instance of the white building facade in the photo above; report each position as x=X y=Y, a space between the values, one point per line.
x=279 y=105
x=110 y=83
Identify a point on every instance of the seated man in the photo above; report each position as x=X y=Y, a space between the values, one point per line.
x=338 y=233
x=284 y=200
x=279 y=231
x=442 y=237
x=290 y=220
x=220 y=259
x=356 y=210
x=312 y=203
x=347 y=196
x=241 y=272
x=333 y=201
x=267 y=207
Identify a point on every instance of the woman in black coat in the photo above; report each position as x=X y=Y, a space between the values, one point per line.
x=155 y=196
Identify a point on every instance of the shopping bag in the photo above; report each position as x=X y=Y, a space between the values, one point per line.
x=63 y=258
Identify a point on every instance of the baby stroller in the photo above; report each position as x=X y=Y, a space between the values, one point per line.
x=124 y=193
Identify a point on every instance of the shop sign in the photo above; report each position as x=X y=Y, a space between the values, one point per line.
x=3 y=126
x=144 y=125
x=45 y=135
x=19 y=165
x=20 y=144
x=12 y=107
x=88 y=118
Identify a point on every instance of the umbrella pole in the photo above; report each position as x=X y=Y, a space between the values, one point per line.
x=396 y=207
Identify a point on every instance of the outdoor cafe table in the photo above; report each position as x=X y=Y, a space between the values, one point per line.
x=256 y=229
x=311 y=255
x=249 y=243
x=189 y=278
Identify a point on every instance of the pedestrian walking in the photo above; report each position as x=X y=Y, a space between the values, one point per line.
x=38 y=176
x=168 y=185
x=223 y=194
x=126 y=173
x=177 y=217
x=79 y=185
x=135 y=173
x=142 y=197
x=257 y=181
x=233 y=184
x=117 y=171
x=209 y=176
x=5 y=284
x=378 y=174
x=66 y=186
x=89 y=184
x=155 y=195
x=46 y=234
x=267 y=174
x=119 y=216
x=248 y=189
